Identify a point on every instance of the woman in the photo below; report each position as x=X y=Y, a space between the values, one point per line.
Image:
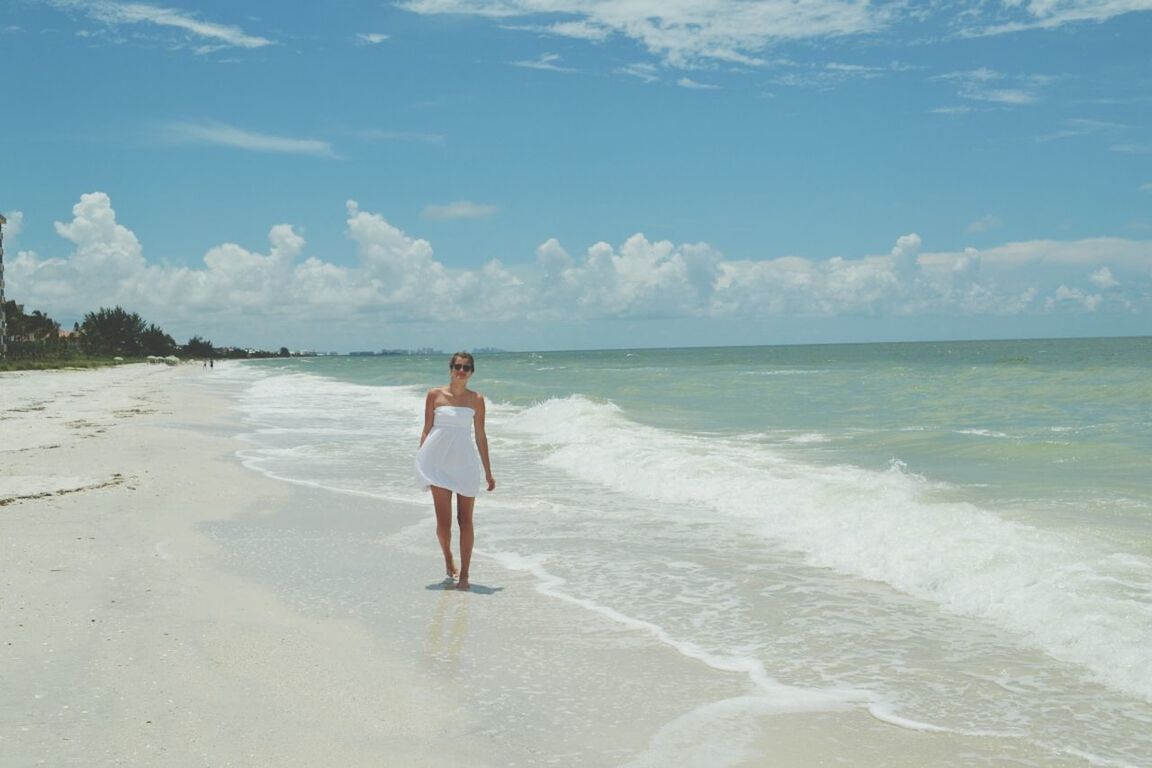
x=448 y=462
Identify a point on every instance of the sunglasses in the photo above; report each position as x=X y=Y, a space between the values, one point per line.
x=461 y=367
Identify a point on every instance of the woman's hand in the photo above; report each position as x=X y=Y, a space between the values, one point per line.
x=491 y=483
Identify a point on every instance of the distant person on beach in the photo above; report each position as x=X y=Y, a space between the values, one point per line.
x=449 y=462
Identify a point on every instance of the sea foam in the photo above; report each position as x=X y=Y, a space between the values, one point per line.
x=1062 y=594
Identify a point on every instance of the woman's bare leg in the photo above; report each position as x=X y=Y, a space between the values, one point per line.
x=464 y=506
x=442 y=499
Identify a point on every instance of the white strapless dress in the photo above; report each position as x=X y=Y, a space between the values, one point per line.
x=449 y=457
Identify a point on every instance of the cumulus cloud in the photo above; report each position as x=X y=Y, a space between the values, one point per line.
x=395 y=277
x=15 y=223
x=101 y=243
x=106 y=259
x=1046 y=275
x=1103 y=279
x=641 y=278
x=1074 y=298
x=904 y=253
x=395 y=261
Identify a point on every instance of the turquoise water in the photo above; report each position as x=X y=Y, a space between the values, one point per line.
x=1063 y=422
x=959 y=530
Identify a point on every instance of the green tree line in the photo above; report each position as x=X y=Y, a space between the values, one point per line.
x=105 y=333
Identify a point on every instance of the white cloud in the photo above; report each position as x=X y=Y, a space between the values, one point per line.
x=400 y=279
x=141 y=13
x=578 y=30
x=461 y=209
x=1118 y=252
x=396 y=278
x=546 y=61
x=1103 y=279
x=371 y=38
x=1146 y=187
x=1049 y=14
x=985 y=84
x=1132 y=149
x=904 y=260
x=105 y=260
x=695 y=33
x=640 y=279
x=646 y=72
x=381 y=244
x=1015 y=96
x=797 y=286
x=686 y=82
x=688 y=32
x=15 y=223
x=103 y=247
x=229 y=136
x=1073 y=298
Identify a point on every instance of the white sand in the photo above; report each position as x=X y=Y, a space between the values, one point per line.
x=122 y=642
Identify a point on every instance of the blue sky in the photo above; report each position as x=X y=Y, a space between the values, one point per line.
x=538 y=174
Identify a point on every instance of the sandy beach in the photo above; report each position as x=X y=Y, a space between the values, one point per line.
x=123 y=641
x=163 y=605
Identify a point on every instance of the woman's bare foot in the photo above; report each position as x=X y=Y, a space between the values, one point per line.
x=450 y=566
x=463 y=585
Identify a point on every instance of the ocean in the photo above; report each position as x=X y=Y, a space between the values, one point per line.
x=954 y=537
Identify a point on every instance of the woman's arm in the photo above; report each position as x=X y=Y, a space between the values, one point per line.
x=482 y=442
x=429 y=414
